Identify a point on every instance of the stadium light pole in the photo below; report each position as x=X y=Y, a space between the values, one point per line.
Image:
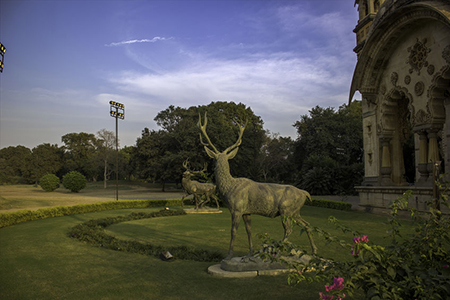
x=117 y=110
x=2 y=56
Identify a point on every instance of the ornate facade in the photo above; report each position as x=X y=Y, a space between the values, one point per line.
x=403 y=75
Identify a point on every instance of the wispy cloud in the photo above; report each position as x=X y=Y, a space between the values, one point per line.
x=153 y=40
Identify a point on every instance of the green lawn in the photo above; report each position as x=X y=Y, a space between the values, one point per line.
x=38 y=260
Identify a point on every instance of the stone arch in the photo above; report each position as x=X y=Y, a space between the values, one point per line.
x=396 y=118
x=439 y=109
x=383 y=39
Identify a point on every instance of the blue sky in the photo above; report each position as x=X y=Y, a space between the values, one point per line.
x=65 y=60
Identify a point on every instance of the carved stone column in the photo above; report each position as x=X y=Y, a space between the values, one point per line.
x=423 y=158
x=446 y=136
x=433 y=148
x=386 y=166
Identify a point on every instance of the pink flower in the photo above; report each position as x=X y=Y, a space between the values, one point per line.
x=325 y=296
x=359 y=239
x=445 y=266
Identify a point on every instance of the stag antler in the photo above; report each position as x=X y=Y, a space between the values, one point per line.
x=203 y=129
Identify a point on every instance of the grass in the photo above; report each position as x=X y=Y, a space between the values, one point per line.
x=17 y=197
x=39 y=261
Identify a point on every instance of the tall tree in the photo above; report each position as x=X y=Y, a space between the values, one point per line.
x=106 y=143
x=79 y=151
x=161 y=153
x=329 y=148
x=13 y=163
x=44 y=159
x=276 y=159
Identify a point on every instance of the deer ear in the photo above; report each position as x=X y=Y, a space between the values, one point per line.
x=210 y=153
x=233 y=153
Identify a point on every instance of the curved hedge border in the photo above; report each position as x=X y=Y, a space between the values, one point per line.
x=93 y=232
x=11 y=218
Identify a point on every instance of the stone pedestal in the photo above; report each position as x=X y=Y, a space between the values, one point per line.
x=240 y=267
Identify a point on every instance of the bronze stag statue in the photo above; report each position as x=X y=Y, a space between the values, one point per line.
x=193 y=187
x=245 y=197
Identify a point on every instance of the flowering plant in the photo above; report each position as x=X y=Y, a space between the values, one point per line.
x=410 y=267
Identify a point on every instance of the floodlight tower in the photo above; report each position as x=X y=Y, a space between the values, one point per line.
x=117 y=110
x=2 y=54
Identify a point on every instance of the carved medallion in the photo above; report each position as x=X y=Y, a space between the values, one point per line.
x=407 y=79
x=422 y=117
x=419 y=88
x=394 y=78
x=418 y=56
x=446 y=54
x=430 y=69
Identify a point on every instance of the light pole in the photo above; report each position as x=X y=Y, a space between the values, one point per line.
x=117 y=110
x=2 y=54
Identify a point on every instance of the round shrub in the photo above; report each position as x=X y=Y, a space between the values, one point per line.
x=74 y=181
x=49 y=182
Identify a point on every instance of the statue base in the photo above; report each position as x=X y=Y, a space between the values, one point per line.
x=204 y=210
x=240 y=267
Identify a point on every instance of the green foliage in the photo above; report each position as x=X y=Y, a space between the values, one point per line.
x=74 y=181
x=159 y=154
x=329 y=149
x=93 y=232
x=410 y=267
x=11 y=218
x=80 y=151
x=49 y=182
x=13 y=164
x=340 y=205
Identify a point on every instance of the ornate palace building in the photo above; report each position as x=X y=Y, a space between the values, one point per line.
x=403 y=75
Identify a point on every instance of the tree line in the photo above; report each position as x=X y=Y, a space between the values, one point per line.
x=326 y=157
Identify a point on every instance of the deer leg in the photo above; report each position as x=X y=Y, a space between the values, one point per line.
x=215 y=198
x=248 y=227
x=308 y=232
x=287 y=227
x=196 y=201
x=235 y=219
x=206 y=201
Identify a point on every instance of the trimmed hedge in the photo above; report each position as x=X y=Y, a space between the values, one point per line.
x=340 y=205
x=93 y=233
x=11 y=218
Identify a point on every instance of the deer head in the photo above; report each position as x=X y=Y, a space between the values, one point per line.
x=188 y=173
x=230 y=152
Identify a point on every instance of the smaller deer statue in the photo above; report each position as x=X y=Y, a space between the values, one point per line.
x=193 y=187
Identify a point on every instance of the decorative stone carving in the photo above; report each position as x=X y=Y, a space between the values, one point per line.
x=422 y=117
x=418 y=56
x=446 y=54
x=383 y=89
x=407 y=79
x=430 y=69
x=394 y=78
x=419 y=88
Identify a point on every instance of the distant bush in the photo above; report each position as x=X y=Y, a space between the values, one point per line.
x=340 y=205
x=74 y=181
x=49 y=182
